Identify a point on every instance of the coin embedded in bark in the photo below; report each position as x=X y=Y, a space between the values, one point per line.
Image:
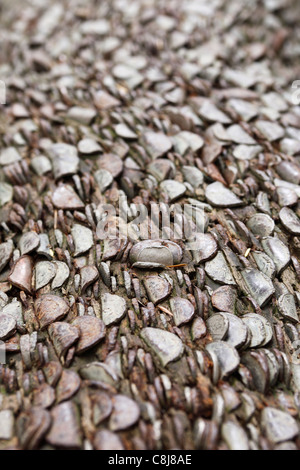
x=227 y=356
x=6 y=250
x=63 y=336
x=65 y=431
x=41 y=165
x=173 y=189
x=220 y=196
x=32 y=426
x=167 y=346
x=219 y=271
x=287 y=197
x=44 y=396
x=210 y=112
x=95 y=27
x=162 y=169
x=262 y=202
x=287 y=307
x=3 y=300
x=279 y=426
x=157 y=144
x=258 y=366
x=286 y=185
x=224 y=299
x=237 y=134
x=111 y=163
x=68 y=386
x=52 y=371
x=272 y=99
x=124 y=131
x=9 y=155
x=49 y=309
x=248 y=407
x=231 y=397
x=21 y=275
x=218 y=326
x=104 y=179
x=125 y=413
x=6 y=425
x=204 y=247
x=44 y=248
x=260 y=286
x=64 y=197
x=99 y=372
x=82 y=115
x=289 y=171
x=198 y=330
x=264 y=263
x=158 y=288
x=247 y=152
x=278 y=251
x=245 y=109
x=274 y=368
x=62 y=274
x=268 y=329
x=290 y=221
x=152 y=257
x=6 y=193
x=114 y=308
x=193 y=176
x=123 y=71
x=111 y=248
x=92 y=331
x=216 y=373
x=44 y=273
x=64 y=158
x=8 y=326
x=235 y=436
x=104 y=100
x=88 y=146
x=257 y=328
x=28 y=344
x=83 y=239
x=151 y=254
x=29 y=242
x=270 y=130
x=107 y=440
x=88 y=274
x=102 y=406
x=183 y=310
x=237 y=333
x=240 y=78
x=261 y=224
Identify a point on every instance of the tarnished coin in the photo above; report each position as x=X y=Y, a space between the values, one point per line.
x=183 y=310
x=237 y=332
x=261 y=331
x=227 y=356
x=259 y=369
x=91 y=332
x=279 y=426
x=278 y=252
x=166 y=346
x=218 y=326
x=8 y=326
